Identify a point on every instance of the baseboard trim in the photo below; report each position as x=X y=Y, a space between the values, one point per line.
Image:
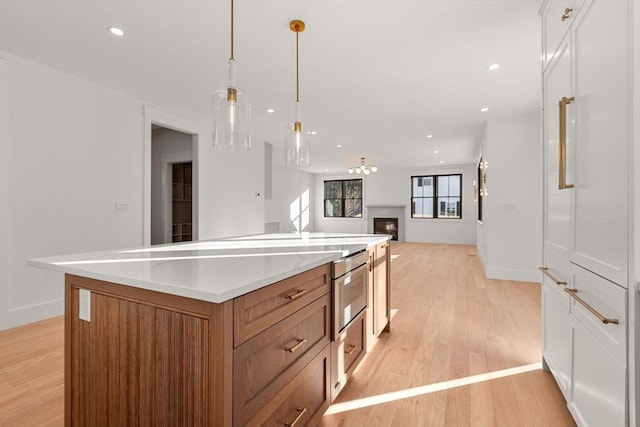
x=32 y=313
x=512 y=274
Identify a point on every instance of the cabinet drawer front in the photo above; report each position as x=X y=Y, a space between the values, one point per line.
x=261 y=309
x=346 y=353
x=304 y=398
x=267 y=362
x=608 y=299
x=598 y=383
x=556 y=336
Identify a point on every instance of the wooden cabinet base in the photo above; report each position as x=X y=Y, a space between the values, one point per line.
x=145 y=358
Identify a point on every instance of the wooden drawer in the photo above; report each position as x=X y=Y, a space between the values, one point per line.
x=607 y=299
x=267 y=362
x=305 y=398
x=261 y=309
x=346 y=353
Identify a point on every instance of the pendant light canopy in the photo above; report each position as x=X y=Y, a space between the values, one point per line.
x=232 y=111
x=363 y=168
x=296 y=142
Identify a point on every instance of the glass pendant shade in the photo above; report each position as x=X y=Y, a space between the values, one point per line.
x=232 y=117
x=296 y=143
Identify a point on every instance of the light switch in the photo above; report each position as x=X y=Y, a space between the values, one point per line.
x=85 y=305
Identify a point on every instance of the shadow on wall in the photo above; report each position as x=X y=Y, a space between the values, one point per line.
x=299 y=211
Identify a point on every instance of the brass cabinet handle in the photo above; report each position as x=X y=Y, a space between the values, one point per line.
x=351 y=350
x=297 y=294
x=301 y=412
x=562 y=146
x=567 y=14
x=370 y=263
x=297 y=346
x=545 y=270
x=574 y=292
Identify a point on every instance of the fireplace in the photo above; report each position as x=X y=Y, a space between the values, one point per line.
x=386 y=226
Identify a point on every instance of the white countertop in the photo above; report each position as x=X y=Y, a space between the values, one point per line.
x=213 y=270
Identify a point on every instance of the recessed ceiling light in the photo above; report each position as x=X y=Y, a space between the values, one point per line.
x=270 y=110
x=493 y=67
x=441 y=161
x=435 y=151
x=116 y=31
x=313 y=132
x=326 y=170
x=429 y=136
x=339 y=146
x=484 y=109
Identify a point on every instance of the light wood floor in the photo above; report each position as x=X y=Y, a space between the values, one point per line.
x=450 y=323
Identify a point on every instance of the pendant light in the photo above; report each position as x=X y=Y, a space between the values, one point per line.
x=232 y=112
x=296 y=143
x=363 y=168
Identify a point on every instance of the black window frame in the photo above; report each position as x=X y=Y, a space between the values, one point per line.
x=436 y=196
x=342 y=199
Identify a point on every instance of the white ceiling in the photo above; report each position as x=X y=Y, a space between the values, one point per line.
x=376 y=76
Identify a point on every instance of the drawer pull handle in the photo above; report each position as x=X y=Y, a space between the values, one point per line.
x=567 y=14
x=370 y=263
x=297 y=346
x=297 y=294
x=351 y=349
x=545 y=270
x=301 y=412
x=573 y=293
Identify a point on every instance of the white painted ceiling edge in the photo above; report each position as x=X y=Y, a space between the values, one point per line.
x=376 y=76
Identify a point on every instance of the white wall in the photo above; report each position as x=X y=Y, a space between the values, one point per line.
x=393 y=187
x=512 y=211
x=292 y=196
x=72 y=150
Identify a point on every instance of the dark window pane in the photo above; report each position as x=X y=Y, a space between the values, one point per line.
x=333 y=207
x=353 y=189
x=353 y=208
x=333 y=189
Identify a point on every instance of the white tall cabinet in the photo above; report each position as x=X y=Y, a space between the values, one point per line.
x=587 y=112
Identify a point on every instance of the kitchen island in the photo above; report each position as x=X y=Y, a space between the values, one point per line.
x=219 y=332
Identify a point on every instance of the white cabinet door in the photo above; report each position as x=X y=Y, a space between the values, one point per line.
x=557 y=17
x=556 y=334
x=598 y=395
x=557 y=84
x=601 y=215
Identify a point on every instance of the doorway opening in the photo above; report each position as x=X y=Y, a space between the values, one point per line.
x=172 y=186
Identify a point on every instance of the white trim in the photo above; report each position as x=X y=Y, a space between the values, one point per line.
x=34 y=312
x=513 y=274
x=154 y=115
x=5 y=228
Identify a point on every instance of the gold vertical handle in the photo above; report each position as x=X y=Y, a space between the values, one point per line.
x=301 y=412
x=370 y=262
x=562 y=157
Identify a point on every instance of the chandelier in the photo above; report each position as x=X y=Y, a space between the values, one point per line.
x=363 y=168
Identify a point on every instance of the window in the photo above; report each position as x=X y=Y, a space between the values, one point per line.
x=343 y=198
x=436 y=196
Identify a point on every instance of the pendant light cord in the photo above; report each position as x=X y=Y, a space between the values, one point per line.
x=297 y=71
x=232 y=58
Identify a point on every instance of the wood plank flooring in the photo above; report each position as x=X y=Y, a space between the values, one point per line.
x=450 y=326
x=449 y=323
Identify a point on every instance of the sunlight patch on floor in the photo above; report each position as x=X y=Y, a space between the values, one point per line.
x=426 y=389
